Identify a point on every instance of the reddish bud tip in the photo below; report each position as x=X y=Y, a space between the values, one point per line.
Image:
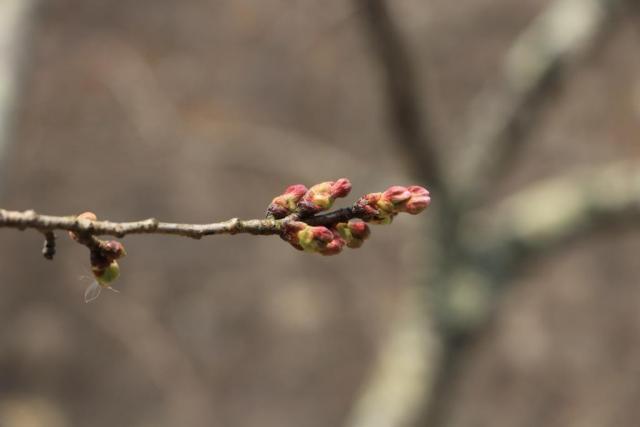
x=359 y=228
x=321 y=196
x=353 y=232
x=290 y=233
x=396 y=194
x=334 y=247
x=320 y=239
x=287 y=202
x=113 y=249
x=340 y=188
x=419 y=201
x=296 y=190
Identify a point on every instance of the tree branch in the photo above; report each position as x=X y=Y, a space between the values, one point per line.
x=296 y=216
x=536 y=221
x=502 y=117
x=46 y=223
x=550 y=214
x=15 y=23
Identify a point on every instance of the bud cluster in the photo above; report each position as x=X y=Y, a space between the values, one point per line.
x=326 y=240
x=382 y=207
x=104 y=255
x=329 y=239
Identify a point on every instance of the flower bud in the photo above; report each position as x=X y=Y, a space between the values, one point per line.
x=287 y=202
x=340 y=188
x=112 y=250
x=396 y=194
x=314 y=239
x=379 y=209
x=106 y=275
x=334 y=247
x=419 y=201
x=290 y=233
x=353 y=232
x=382 y=207
x=368 y=203
x=321 y=196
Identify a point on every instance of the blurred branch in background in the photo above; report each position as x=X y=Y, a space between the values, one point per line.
x=412 y=383
x=406 y=109
x=538 y=220
x=15 y=16
x=501 y=117
x=401 y=380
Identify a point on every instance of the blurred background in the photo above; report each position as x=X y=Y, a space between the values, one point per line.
x=513 y=301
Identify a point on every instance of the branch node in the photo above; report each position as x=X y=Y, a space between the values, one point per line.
x=235 y=225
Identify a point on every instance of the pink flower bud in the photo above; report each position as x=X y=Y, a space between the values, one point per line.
x=340 y=188
x=296 y=190
x=290 y=233
x=419 y=200
x=334 y=247
x=396 y=194
x=376 y=208
x=354 y=232
x=314 y=239
x=359 y=228
x=287 y=202
x=112 y=250
x=321 y=196
x=368 y=203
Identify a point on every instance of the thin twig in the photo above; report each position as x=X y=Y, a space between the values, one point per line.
x=44 y=223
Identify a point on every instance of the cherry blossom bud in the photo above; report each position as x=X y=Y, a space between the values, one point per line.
x=359 y=228
x=321 y=196
x=334 y=247
x=314 y=239
x=106 y=275
x=397 y=194
x=340 y=188
x=290 y=233
x=112 y=250
x=419 y=200
x=368 y=203
x=353 y=232
x=317 y=199
x=379 y=209
x=287 y=202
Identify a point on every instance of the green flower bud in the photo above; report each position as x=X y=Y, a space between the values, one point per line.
x=314 y=239
x=353 y=233
x=106 y=275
